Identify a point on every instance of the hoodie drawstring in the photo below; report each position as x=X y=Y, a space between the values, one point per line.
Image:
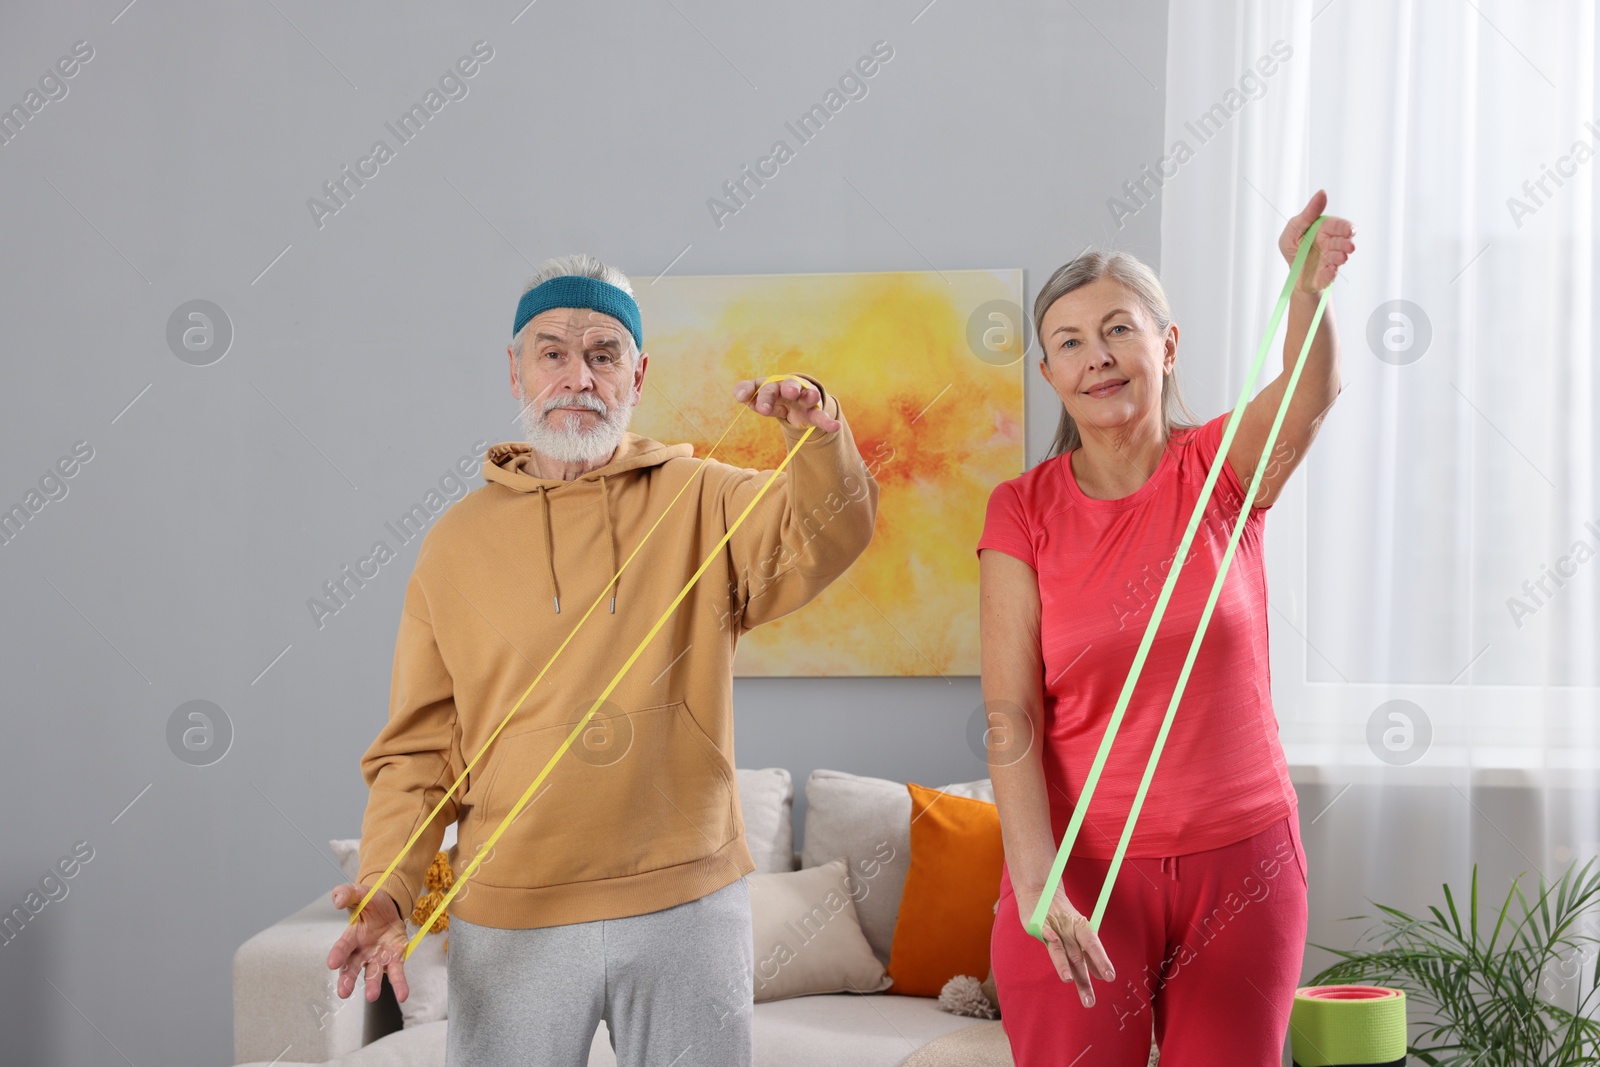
x=611 y=539
x=550 y=550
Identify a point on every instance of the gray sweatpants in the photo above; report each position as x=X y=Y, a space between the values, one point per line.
x=674 y=986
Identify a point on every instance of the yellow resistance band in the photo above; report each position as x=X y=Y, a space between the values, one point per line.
x=1035 y=924
x=356 y=912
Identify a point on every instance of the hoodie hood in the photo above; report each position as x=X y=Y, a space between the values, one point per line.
x=505 y=464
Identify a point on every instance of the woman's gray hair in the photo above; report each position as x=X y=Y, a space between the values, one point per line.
x=1135 y=276
x=585 y=266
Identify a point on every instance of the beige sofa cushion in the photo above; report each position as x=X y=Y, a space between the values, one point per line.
x=872 y=1031
x=766 y=799
x=807 y=937
x=867 y=823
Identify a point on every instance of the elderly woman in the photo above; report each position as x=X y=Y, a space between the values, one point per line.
x=1202 y=938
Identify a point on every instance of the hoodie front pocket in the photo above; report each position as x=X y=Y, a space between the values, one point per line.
x=667 y=798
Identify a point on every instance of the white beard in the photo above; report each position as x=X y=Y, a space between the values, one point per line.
x=564 y=439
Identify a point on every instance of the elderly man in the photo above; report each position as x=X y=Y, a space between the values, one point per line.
x=619 y=892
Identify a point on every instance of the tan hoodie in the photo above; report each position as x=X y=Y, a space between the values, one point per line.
x=642 y=811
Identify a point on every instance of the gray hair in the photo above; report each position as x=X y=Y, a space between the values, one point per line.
x=585 y=266
x=1135 y=276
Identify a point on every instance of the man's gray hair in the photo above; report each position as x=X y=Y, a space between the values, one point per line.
x=585 y=266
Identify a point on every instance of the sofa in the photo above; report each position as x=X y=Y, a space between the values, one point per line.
x=287 y=1013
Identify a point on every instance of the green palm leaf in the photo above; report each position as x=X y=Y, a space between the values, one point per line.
x=1505 y=1000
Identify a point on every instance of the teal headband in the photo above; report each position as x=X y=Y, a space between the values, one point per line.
x=577 y=291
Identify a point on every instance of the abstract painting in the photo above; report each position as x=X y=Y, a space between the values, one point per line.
x=928 y=369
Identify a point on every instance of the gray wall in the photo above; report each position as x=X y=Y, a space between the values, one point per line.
x=368 y=357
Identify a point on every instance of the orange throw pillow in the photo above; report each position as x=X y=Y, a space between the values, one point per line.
x=947 y=909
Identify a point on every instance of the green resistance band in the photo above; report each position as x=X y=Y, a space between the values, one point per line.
x=1035 y=924
x=1348 y=1026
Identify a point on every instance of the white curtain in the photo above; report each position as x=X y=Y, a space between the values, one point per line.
x=1441 y=545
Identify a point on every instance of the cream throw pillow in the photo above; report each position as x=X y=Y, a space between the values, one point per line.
x=807 y=937
x=766 y=801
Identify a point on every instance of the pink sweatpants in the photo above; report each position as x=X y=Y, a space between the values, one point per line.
x=1207 y=949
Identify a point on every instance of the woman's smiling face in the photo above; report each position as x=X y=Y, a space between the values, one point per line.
x=1104 y=356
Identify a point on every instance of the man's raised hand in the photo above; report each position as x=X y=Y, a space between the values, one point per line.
x=787 y=400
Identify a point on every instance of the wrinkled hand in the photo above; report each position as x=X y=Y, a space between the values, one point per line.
x=1074 y=947
x=786 y=400
x=1328 y=252
x=377 y=942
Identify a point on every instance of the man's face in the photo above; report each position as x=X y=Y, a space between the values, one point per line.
x=578 y=380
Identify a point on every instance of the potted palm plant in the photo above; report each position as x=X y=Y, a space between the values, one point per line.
x=1520 y=996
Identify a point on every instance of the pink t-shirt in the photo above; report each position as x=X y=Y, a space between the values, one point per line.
x=1100 y=566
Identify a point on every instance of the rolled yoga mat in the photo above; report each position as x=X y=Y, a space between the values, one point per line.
x=1348 y=1026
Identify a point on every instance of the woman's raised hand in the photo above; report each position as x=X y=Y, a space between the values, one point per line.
x=1328 y=252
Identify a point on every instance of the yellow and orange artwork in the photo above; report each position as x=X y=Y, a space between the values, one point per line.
x=928 y=370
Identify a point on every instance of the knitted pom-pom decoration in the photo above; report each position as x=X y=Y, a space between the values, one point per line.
x=963 y=995
x=438 y=879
